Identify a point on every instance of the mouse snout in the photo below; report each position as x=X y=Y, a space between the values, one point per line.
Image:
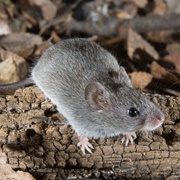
x=157 y=121
x=154 y=122
x=161 y=119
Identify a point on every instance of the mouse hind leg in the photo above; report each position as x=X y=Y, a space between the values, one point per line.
x=85 y=144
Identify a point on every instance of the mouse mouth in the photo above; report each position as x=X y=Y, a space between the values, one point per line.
x=153 y=123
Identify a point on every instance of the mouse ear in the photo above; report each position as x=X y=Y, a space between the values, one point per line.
x=97 y=96
x=120 y=77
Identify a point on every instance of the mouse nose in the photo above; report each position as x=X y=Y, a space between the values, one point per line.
x=161 y=118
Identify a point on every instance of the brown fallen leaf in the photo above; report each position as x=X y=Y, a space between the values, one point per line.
x=127 y=11
x=21 y=43
x=140 y=79
x=41 y=48
x=13 y=68
x=160 y=7
x=30 y=18
x=48 y=8
x=139 y=3
x=3 y=14
x=4 y=28
x=163 y=36
x=55 y=38
x=6 y=172
x=135 y=41
x=173 y=92
x=161 y=73
x=174 y=54
x=173 y=6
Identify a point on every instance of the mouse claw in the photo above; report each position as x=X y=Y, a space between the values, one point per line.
x=129 y=137
x=85 y=145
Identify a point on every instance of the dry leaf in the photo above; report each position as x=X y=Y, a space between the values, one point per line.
x=161 y=73
x=6 y=172
x=13 y=68
x=30 y=18
x=48 y=8
x=41 y=48
x=8 y=71
x=3 y=12
x=127 y=11
x=173 y=92
x=4 y=28
x=123 y=15
x=139 y=3
x=55 y=37
x=174 y=54
x=135 y=41
x=160 y=7
x=140 y=79
x=173 y=6
x=163 y=36
x=21 y=43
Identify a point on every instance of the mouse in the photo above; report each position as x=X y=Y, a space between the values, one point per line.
x=93 y=92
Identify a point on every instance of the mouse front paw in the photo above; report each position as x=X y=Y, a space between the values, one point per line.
x=129 y=137
x=85 y=144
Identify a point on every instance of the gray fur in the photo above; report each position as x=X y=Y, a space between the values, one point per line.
x=66 y=68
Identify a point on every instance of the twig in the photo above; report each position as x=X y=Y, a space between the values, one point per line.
x=117 y=27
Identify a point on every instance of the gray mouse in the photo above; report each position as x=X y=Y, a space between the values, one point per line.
x=93 y=92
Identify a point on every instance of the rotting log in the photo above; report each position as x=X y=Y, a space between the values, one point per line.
x=37 y=139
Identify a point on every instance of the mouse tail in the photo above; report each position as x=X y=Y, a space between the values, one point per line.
x=9 y=89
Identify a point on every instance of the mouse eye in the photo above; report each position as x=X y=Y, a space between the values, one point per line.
x=133 y=112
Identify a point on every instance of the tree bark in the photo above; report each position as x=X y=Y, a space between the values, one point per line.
x=37 y=139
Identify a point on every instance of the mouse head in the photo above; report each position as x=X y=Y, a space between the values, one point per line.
x=126 y=106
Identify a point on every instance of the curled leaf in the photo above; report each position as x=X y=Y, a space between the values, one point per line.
x=135 y=41
x=13 y=67
x=161 y=73
x=8 y=173
x=140 y=79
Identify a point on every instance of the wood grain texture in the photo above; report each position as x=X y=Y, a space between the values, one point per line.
x=37 y=139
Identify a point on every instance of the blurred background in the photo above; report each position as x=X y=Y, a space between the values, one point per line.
x=142 y=34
